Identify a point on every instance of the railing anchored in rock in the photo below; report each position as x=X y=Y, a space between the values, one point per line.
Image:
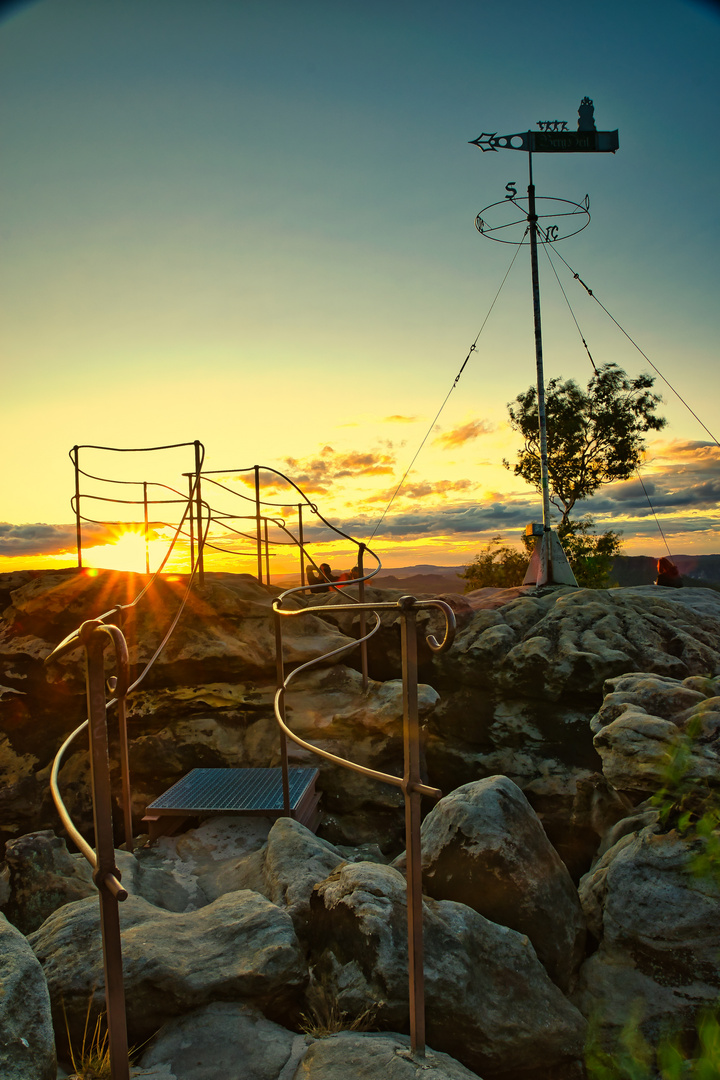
x=411 y=783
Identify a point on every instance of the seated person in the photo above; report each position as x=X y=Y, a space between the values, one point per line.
x=668 y=574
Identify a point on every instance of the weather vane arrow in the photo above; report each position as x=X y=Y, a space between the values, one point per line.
x=553 y=137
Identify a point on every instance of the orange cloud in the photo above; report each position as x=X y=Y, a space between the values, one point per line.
x=460 y=435
x=422 y=489
x=398 y=419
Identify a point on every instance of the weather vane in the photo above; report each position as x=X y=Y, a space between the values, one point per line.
x=548 y=564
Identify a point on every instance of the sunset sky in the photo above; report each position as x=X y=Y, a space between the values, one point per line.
x=251 y=223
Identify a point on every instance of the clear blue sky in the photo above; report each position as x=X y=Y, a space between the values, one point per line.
x=252 y=223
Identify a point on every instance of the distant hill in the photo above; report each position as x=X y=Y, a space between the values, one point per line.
x=642 y=569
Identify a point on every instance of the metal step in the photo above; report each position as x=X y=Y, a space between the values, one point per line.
x=245 y=792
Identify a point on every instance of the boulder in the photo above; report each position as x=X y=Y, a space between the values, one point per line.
x=352 y=1055
x=484 y=846
x=239 y=948
x=224 y=1040
x=27 y=1044
x=43 y=876
x=489 y=1000
x=658 y=928
x=295 y=861
x=643 y=717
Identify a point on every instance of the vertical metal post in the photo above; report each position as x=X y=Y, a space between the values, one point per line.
x=78 y=524
x=267 y=554
x=280 y=667
x=198 y=506
x=302 y=544
x=257 y=524
x=542 y=423
x=191 y=519
x=363 y=621
x=125 y=774
x=147 y=549
x=104 y=842
x=411 y=740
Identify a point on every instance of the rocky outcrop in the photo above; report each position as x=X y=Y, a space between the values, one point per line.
x=43 y=876
x=484 y=846
x=234 y=1040
x=643 y=717
x=658 y=927
x=27 y=1043
x=239 y=948
x=351 y=1055
x=489 y=1001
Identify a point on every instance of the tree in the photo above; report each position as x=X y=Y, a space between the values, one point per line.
x=497 y=566
x=590 y=555
x=594 y=436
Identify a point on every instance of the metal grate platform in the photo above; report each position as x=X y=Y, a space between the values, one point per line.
x=238 y=791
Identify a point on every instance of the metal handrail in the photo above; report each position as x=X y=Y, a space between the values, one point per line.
x=410 y=783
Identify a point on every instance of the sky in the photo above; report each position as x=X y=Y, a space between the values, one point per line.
x=251 y=223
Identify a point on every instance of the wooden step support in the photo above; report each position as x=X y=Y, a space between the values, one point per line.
x=245 y=792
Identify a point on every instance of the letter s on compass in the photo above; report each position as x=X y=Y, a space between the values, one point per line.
x=512 y=189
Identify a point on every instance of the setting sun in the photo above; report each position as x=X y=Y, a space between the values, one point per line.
x=128 y=553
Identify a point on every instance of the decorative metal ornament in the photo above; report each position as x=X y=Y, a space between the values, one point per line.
x=554 y=137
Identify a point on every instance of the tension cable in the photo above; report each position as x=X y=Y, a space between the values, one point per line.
x=456 y=381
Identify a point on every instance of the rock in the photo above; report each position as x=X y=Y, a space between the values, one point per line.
x=352 y=1055
x=489 y=1001
x=484 y=846
x=641 y=720
x=295 y=861
x=240 y=947
x=658 y=928
x=43 y=876
x=227 y=1041
x=27 y=1044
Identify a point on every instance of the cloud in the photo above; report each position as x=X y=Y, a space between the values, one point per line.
x=423 y=489
x=398 y=419
x=460 y=435
x=318 y=473
x=43 y=539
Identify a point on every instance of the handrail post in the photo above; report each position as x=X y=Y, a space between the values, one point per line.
x=267 y=554
x=257 y=524
x=191 y=518
x=280 y=666
x=363 y=623
x=411 y=741
x=302 y=545
x=198 y=499
x=105 y=845
x=125 y=774
x=145 y=507
x=78 y=525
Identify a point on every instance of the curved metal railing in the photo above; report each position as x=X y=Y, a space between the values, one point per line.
x=411 y=783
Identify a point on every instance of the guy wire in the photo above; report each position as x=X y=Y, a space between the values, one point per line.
x=456 y=381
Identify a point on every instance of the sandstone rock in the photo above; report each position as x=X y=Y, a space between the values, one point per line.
x=489 y=1000
x=240 y=947
x=351 y=1055
x=295 y=861
x=644 y=716
x=43 y=877
x=27 y=1044
x=658 y=928
x=484 y=846
x=223 y=1040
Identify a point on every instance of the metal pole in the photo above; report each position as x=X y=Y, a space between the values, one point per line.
x=411 y=739
x=147 y=549
x=125 y=774
x=267 y=555
x=542 y=423
x=280 y=667
x=78 y=525
x=257 y=523
x=191 y=519
x=198 y=504
x=302 y=545
x=105 y=846
x=363 y=621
